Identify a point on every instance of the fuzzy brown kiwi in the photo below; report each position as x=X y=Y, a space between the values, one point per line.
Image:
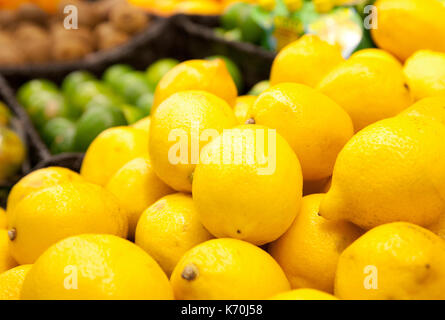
x=128 y=18
x=34 y=41
x=108 y=37
x=29 y=12
x=70 y=48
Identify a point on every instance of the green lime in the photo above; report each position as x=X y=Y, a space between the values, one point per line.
x=133 y=85
x=48 y=105
x=58 y=134
x=112 y=76
x=233 y=35
x=5 y=115
x=234 y=15
x=72 y=80
x=93 y=90
x=158 y=69
x=145 y=102
x=132 y=114
x=95 y=120
x=25 y=92
x=233 y=70
x=251 y=31
x=259 y=88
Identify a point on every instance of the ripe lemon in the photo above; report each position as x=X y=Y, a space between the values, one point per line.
x=227 y=269
x=394 y=261
x=314 y=126
x=201 y=7
x=6 y=260
x=136 y=187
x=376 y=53
x=394 y=170
x=38 y=180
x=169 y=228
x=242 y=107
x=11 y=282
x=405 y=26
x=425 y=71
x=368 y=89
x=308 y=252
x=49 y=215
x=3 y=219
x=176 y=133
x=206 y=75
x=143 y=124
x=112 y=149
x=432 y=108
x=305 y=61
x=304 y=294
x=439 y=227
x=97 y=267
x=251 y=186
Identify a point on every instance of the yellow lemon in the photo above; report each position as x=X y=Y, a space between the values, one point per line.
x=432 y=108
x=227 y=269
x=304 y=294
x=12 y=153
x=49 y=215
x=250 y=185
x=97 y=267
x=38 y=180
x=143 y=124
x=308 y=252
x=6 y=260
x=368 y=89
x=376 y=53
x=11 y=282
x=3 y=219
x=393 y=262
x=394 y=170
x=439 y=226
x=305 y=61
x=180 y=127
x=425 y=72
x=242 y=107
x=206 y=75
x=136 y=187
x=405 y=26
x=200 y=7
x=314 y=126
x=169 y=228
x=112 y=149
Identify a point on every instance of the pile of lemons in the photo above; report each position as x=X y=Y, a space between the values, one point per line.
x=328 y=185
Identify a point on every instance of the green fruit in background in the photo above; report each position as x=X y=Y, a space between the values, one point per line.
x=5 y=114
x=28 y=89
x=133 y=85
x=233 y=69
x=92 y=90
x=233 y=35
x=95 y=120
x=113 y=75
x=158 y=69
x=72 y=80
x=132 y=114
x=251 y=31
x=12 y=153
x=235 y=15
x=145 y=102
x=259 y=88
x=49 y=105
x=58 y=134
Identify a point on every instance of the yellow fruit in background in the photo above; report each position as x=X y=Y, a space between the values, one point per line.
x=169 y=228
x=11 y=282
x=251 y=187
x=201 y=7
x=136 y=187
x=394 y=170
x=49 y=215
x=206 y=75
x=3 y=219
x=439 y=226
x=242 y=107
x=314 y=126
x=376 y=53
x=112 y=149
x=227 y=269
x=393 y=262
x=40 y=179
x=12 y=153
x=308 y=252
x=425 y=73
x=6 y=260
x=143 y=124
x=175 y=134
x=368 y=89
x=305 y=61
x=432 y=108
x=405 y=26
x=95 y=267
x=304 y=294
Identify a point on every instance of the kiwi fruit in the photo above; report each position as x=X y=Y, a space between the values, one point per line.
x=8 y=19
x=34 y=42
x=128 y=18
x=70 y=48
x=103 y=8
x=108 y=37
x=87 y=16
x=29 y=12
